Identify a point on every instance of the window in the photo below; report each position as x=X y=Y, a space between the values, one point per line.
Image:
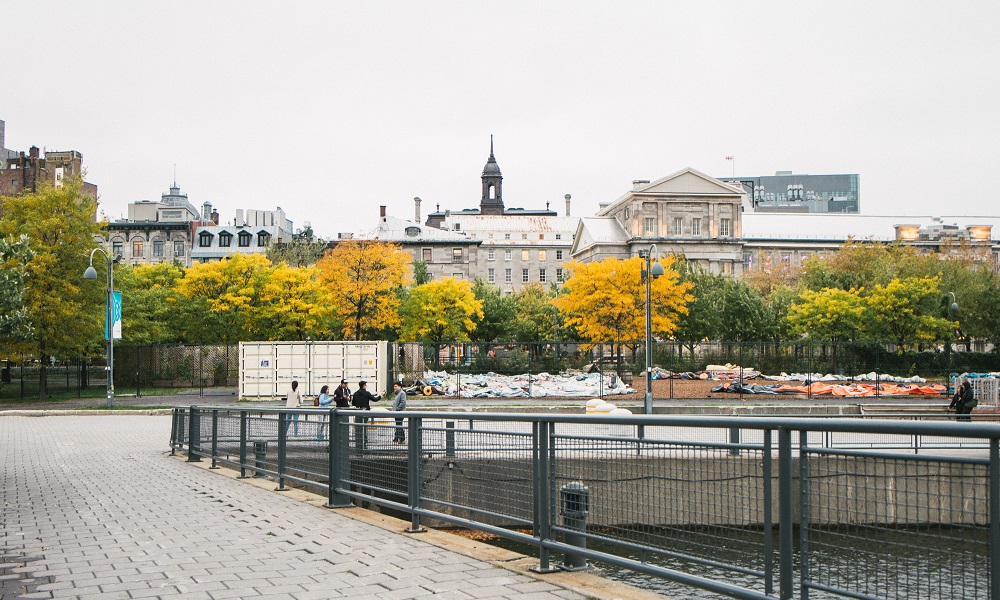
x=541 y=275
x=558 y=254
x=696 y=227
x=559 y=275
x=137 y=248
x=727 y=267
x=506 y=275
x=747 y=261
x=490 y=254
x=204 y=239
x=541 y=255
x=524 y=255
x=725 y=227
x=507 y=254
x=456 y=275
x=649 y=226
x=524 y=276
x=541 y=236
x=158 y=248
x=456 y=255
x=426 y=254
x=676 y=226
x=558 y=236
x=506 y=236
x=524 y=236
x=117 y=248
x=263 y=238
x=245 y=239
x=491 y=275
x=178 y=248
x=225 y=239
x=786 y=259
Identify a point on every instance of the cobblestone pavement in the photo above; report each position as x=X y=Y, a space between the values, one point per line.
x=92 y=507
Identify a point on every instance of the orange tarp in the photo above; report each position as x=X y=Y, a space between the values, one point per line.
x=820 y=388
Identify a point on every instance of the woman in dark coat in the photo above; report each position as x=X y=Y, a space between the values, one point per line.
x=964 y=401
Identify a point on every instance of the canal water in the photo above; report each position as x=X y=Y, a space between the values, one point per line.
x=889 y=566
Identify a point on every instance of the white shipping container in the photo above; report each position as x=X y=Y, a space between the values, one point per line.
x=267 y=369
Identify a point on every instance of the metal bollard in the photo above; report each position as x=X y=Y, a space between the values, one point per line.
x=574 y=498
x=260 y=456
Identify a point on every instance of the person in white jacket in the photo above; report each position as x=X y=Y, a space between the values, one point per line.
x=293 y=400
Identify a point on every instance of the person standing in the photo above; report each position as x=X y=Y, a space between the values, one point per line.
x=362 y=399
x=964 y=401
x=342 y=395
x=399 y=404
x=323 y=401
x=293 y=399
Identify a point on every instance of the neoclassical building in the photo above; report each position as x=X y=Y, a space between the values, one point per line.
x=686 y=213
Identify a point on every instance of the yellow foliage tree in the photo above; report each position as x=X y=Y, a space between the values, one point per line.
x=440 y=311
x=364 y=278
x=605 y=301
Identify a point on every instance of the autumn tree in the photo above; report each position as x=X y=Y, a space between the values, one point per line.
x=905 y=311
x=830 y=314
x=66 y=312
x=605 y=300
x=295 y=305
x=364 y=277
x=440 y=311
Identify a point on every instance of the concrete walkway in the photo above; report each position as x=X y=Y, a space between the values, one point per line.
x=94 y=507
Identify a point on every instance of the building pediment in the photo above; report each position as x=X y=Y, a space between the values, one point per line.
x=689 y=183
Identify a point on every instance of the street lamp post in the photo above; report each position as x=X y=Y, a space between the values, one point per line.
x=652 y=271
x=91 y=273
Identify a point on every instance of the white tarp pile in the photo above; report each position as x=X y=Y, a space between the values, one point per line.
x=828 y=377
x=491 y=385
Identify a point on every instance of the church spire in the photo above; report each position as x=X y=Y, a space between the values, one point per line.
x=492 y=200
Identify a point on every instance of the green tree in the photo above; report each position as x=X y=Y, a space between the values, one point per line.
x=155 y=312
x=15 y=255
x=701 y=321
x=906 y=311
x=66 y=313
x=303 y=250
x=743 y=315
x=420 y=273
x=499 y=312
x=536 y=315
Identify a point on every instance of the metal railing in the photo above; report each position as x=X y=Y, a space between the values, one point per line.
x=760 y=507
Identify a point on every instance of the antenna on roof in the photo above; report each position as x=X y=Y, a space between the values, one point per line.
x=175 y=174
x=491 y=144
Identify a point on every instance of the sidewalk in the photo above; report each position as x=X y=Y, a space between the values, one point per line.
x=94 y=507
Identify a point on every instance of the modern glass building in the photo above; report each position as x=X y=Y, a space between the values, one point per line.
x=787 y=192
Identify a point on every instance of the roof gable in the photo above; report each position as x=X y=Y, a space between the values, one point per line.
x=689 y=182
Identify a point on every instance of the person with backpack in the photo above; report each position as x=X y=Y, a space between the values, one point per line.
x=964 y=401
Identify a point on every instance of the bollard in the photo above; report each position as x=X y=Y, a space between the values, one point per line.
x=574 y=498
x=449 y=439
x=260 y=456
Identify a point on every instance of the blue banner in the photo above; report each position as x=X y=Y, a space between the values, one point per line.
x=116 y=317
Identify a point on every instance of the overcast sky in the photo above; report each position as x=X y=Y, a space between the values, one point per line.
x=330 y=109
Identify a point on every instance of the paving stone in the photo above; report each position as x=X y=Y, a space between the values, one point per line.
x=94 y=507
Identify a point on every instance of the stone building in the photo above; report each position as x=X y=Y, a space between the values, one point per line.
x=686 y=213
x=20 y=172
x=251 y=232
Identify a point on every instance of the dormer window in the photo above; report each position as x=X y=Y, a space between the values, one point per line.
x=225 y=239
x=412 y=231
x=263 y=238
x=245 y=238
x=205 y=239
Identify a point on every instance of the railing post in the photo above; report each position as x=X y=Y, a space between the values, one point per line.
x=768 y=493
x=449 y=439
x=994 y=518
x=339 y=458
x=785 y=532
x=543 y=496
x=215 y=438
x=174 y=416
x=734 y=438
x=283 y=423
x=413 y=447
x=803 y=515
x=194 y=435
x=243 y=444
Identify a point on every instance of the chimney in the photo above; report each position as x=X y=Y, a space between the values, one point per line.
x=33 y=152
x=206 y=211
x=215 y=216
x=381 y=211
x=416 y=209
x=638 y=183
x=567 y=197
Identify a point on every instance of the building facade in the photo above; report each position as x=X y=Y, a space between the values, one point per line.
x=21 y=173
x=786 y=192
x=687 y=213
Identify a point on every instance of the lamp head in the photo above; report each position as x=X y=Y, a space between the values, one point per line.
x=90 y=273
x=656 y=270
x=954 y=306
